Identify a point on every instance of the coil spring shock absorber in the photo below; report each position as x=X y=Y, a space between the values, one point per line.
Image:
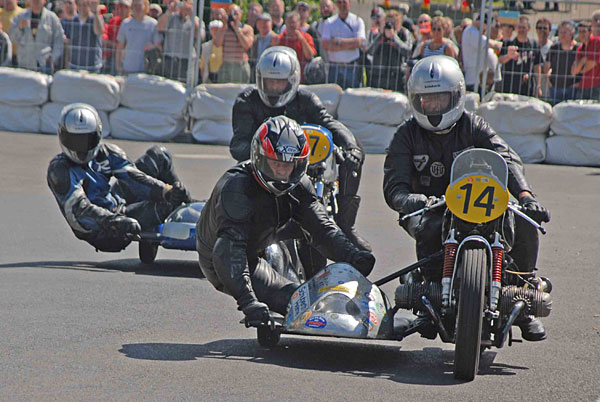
x=496 y=273
x=451 y=245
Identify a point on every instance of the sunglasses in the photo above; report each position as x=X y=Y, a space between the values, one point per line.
x=436 y=29
x=542 y=28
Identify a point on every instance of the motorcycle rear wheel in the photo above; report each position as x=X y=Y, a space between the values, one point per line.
x=147 y=252
x=473 y=268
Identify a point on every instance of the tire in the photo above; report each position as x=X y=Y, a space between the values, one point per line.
x=147 y=252
x=473 y=268
x=267 y=337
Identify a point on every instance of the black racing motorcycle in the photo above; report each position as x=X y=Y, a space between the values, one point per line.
x=477 y=301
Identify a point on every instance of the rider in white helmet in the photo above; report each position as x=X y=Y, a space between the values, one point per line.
x=417 y=171
x=278 y=93
x=99 y=211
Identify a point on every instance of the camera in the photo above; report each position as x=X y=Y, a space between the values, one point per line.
x=230 y=20
x=388 y=25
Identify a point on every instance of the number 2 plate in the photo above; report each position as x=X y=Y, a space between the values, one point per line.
x=477 y=199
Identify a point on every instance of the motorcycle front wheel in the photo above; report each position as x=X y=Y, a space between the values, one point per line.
x=473 y=267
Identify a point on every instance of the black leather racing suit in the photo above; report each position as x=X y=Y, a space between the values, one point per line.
x=419 y=161
x=88 y=199
x=240 y=220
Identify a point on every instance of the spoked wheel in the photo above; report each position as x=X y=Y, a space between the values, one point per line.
x=147 y=252
x=267 y=337
x=473 y=267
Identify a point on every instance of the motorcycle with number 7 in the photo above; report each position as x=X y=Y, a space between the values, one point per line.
x=476 y=303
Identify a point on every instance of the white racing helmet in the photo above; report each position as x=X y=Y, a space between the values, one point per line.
x=436 y=92
x=278 y=63
x=79 y=132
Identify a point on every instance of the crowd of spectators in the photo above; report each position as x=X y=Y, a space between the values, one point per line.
x=336 y=46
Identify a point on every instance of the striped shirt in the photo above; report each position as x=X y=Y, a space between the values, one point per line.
x=232 y=49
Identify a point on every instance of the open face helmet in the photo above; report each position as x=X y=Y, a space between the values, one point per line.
x=436 y=92
x=79 y=132
x=279 y=154
x=278 y=76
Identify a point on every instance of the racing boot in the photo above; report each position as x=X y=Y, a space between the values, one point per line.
x=425 y=325
x=401 y=325
x=346 y=218
x=532 y=328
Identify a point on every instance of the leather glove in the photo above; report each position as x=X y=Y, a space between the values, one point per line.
x=123 y=225
x=352 y=159
x=413 y=203
x=535 y=210
x=177 y=194
x=256 y=314
x=363 y=261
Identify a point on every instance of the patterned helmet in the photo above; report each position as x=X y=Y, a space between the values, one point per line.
x=79 y=132
x=279 y=154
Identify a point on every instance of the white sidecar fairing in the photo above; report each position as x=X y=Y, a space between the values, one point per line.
x=339 y=301
x=179 y=230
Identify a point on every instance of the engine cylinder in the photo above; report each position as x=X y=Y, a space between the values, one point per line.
x=539 y=304
x=409 y=294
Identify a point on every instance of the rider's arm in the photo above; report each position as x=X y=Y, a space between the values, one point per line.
x=315 y=113
x=397 y=169
x=485 y=137
x=81 y=215
x=145 y=186
x=326 y=235
x=243 y=126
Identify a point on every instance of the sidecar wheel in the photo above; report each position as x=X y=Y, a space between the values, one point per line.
x=147 y=252
x=267 y=337
x=470 y=313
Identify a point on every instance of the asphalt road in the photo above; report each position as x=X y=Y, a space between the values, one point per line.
x=79 y=325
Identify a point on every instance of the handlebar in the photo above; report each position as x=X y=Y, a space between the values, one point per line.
x=438 y=204
x=339 y=158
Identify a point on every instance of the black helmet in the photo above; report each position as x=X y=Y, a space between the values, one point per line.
x=79 y=132
x=279 y=154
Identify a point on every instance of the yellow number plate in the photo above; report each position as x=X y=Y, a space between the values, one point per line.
x=320 y=145
x=477 y=199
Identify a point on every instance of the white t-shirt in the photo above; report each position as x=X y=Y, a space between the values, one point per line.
x=352 y=27
x=469 y=44
x=135 y=34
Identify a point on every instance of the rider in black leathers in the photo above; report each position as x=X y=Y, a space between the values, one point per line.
x=420 y=156
x=253 y=106
x=99 y=211
x=247 y=206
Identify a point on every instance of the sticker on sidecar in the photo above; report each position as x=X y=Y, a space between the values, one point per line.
x=316 y=322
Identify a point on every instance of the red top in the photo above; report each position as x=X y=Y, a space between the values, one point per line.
x=591 y=78
x=110 y=32
x=296 y=44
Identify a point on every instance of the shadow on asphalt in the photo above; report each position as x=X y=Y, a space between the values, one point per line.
x=169 y=268
x=430 y=366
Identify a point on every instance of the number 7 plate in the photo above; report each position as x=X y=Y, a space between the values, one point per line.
x=477 y=198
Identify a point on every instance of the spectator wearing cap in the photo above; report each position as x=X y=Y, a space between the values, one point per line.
x=559 y=61
x=211 y=57
x=438 y=45
x=236 y=39
x=262 y=40
x=343 y=37
x=109 y=39
x=587 y=63
x=276 y=10
x=326 y=9
x=521 y=59
x=84 y=36
x=136 y=36
x=293 y=37
x=155 y=11
x=255 y=10
x=388 y=53
x=177 y=29
x=39 y=36
x=470 y=42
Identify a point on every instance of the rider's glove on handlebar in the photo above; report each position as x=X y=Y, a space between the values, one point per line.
x=534 y=209
x=256 y=312
x=123 y=225
x=177 y=194
x=363 y=261
x=352 y=159
x=413 y=203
